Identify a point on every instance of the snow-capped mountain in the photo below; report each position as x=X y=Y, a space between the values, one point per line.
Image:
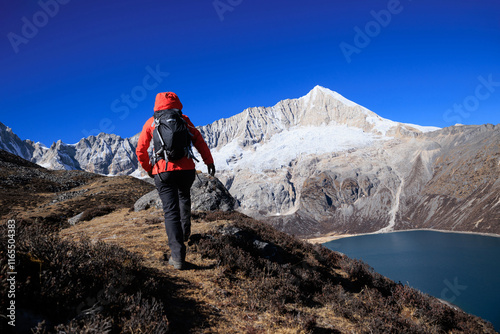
x=106 y=154
x=321 y=122
x=322 y=163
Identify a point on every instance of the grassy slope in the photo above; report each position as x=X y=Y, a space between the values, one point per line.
x=30 y=193
x=109 y=274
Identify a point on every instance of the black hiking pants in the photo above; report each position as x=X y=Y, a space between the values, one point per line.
x=174 y=189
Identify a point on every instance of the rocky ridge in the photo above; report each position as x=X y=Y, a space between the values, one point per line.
x=426 y=182
x=105 y=154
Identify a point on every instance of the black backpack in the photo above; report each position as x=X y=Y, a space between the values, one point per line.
x=171 y=137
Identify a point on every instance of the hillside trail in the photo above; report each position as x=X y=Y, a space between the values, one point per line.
x=144 y=233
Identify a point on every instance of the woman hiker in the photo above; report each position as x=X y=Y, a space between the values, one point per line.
x=173 y=175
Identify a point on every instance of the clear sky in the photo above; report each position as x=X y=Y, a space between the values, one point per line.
x=73 y=68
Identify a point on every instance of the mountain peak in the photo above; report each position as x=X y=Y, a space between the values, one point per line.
x=326 y=91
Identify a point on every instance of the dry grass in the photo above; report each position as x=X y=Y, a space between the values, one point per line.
x=143 y=233
x=52 y=197
x=231 y=286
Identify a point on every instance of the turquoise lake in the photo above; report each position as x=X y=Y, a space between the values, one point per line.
x=463 y=269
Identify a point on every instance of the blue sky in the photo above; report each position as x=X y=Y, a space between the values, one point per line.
x=73 y=68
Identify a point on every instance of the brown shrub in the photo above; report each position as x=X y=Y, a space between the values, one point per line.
x=86 y=288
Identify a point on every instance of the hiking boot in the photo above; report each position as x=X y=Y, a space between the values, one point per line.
x=176 y=264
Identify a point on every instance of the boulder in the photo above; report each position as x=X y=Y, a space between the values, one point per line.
x=207 y=194
x=151 y=199
x=76 y=219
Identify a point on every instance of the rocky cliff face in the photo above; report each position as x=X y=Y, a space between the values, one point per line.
x=10 y=142
x=448 y=179
x=322 y=164
x=464 y=191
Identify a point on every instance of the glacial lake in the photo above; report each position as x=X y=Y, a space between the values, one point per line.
x=463 y=269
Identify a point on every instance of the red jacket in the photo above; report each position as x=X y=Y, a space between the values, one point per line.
x=170 y=101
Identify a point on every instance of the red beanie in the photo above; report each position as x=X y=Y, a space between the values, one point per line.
x=167 y=100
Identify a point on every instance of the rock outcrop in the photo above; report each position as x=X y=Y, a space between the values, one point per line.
x=207 y=194
x=150 y=200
